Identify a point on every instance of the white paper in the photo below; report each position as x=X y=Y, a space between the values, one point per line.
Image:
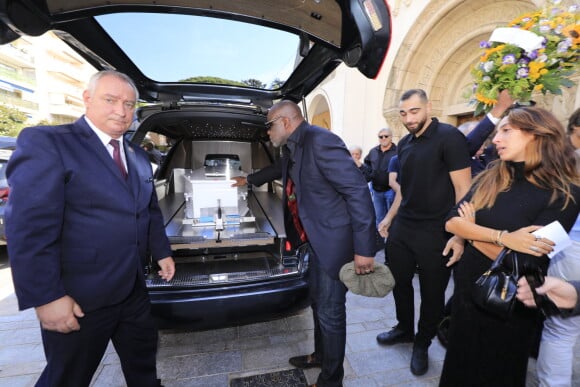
x=556 y=233
x=527 y=40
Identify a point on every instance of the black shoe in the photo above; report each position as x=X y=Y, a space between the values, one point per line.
x=419 y=360
x=394 y=336
x=305 y=361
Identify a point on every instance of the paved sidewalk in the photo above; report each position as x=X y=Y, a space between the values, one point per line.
x=212 y=358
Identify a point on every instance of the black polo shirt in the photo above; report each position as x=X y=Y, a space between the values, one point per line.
x=426 y=161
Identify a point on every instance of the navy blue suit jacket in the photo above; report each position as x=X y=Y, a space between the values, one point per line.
x=74 y=226
x=334 y=201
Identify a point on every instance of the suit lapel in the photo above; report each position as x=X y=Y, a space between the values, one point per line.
x=96 y=147
x=134 y=169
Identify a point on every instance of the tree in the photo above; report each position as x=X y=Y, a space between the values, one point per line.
x=11 y=121
x=276 y=84
x=213 y=80
x=254 y=83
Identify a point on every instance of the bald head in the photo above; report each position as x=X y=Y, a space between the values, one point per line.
x=287 y=109
x=283 y=118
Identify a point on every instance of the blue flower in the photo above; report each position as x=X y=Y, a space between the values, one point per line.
x=522 y=72
x=508 y=59
x=563 y=46
x=484 y=44
x=532 y=55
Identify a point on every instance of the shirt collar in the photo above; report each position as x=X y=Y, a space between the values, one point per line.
x=427 y=133
x=295 y=137
x=104 y=137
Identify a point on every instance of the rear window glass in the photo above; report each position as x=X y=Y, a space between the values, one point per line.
x=185 y=48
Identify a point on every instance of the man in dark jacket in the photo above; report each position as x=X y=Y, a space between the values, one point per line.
x=376 y=170
x=327 y=205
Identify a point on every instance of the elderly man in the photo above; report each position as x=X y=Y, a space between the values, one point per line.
x=81 y=219
x=376 y=171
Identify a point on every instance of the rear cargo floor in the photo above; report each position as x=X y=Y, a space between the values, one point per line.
x=223 y=269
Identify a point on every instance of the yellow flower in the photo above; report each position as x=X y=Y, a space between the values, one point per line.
x=485 y=100
x=536 y=69
x=491 y=51
x=572 y=31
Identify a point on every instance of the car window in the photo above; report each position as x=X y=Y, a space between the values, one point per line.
x=204 y=49
x=3 y=180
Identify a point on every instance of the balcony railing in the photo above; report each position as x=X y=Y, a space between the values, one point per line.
x=15 y=76
x=17 y=102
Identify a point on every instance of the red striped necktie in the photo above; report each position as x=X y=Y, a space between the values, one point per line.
x=117 y=157
x=293 y=207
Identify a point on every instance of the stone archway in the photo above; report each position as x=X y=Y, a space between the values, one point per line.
x=438 y=52
x=319 y=112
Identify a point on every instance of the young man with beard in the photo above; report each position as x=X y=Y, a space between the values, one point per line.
x=434 y=174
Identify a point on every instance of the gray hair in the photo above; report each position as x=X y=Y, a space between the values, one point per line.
x=353 y=148
x=95 y=78
x=386 y=129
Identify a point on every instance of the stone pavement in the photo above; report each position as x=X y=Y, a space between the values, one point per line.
x=211 y=358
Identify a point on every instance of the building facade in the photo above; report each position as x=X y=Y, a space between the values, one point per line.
x=44 y=78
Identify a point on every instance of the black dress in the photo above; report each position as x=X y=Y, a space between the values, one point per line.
x=484 y=350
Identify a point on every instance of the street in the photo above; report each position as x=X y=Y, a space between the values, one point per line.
x=213 y=358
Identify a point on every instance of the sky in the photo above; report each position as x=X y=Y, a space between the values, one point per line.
x=179 y=46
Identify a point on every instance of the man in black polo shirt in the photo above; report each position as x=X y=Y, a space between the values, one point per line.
x=435 y=174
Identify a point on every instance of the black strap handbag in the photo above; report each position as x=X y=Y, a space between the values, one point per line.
x=495 y=291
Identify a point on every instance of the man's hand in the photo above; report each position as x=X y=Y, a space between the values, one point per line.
x=363 y=265
x=239 y=181
x=504 y=102
x=60 y=315
x=167 y=268
x=559 y=291
x=456 y=244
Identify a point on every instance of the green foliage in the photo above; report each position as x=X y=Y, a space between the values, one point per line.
x=12 y=121
x=254 y=83
x=276 y=84
x=213 y=80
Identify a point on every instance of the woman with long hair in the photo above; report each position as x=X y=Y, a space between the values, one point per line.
x=533 y=183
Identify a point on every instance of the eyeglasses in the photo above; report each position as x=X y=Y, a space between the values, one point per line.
x=270 y=123
x=384 y=136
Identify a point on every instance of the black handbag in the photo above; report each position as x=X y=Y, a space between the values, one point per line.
x=495 y=291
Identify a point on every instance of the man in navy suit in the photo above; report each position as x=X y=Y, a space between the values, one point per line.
x=335 y=215
x=81 y=219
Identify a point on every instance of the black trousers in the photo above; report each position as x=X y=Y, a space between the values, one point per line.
x=73 y=358
x=411 y=245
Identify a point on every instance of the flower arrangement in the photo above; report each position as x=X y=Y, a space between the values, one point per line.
x=536 y=53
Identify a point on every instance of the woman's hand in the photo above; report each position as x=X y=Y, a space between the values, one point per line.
x=467 y=212
x=523 y=241
x=383 y=227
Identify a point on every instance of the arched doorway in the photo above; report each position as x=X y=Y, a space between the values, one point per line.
x=319 y=112
x=439 y=51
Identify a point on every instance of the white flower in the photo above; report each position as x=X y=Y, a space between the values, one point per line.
x=488 y=66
